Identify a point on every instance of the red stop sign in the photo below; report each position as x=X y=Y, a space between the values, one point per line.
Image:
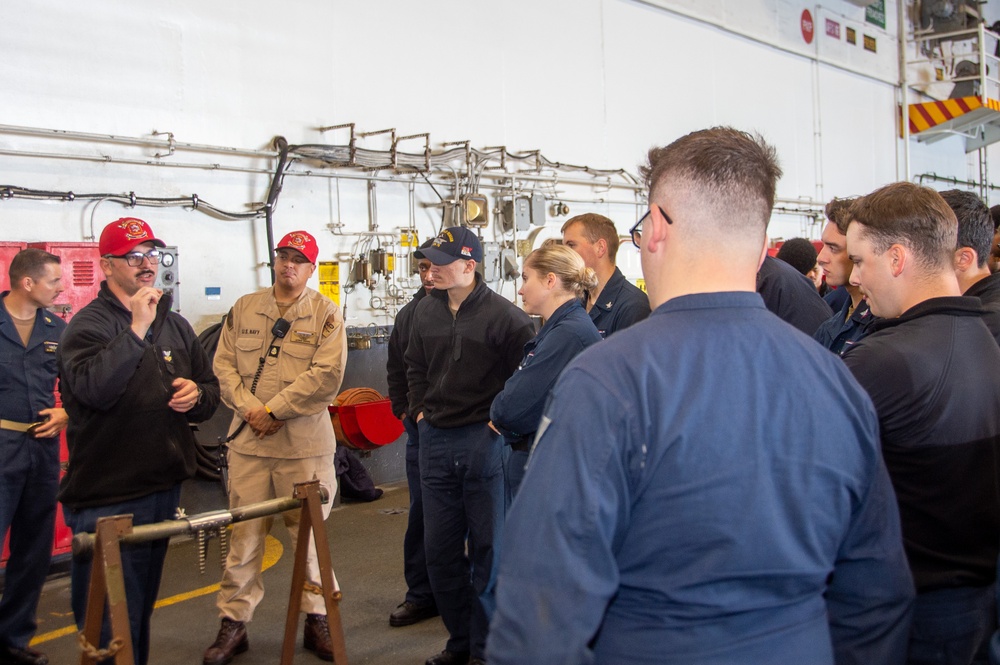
x=808 y=28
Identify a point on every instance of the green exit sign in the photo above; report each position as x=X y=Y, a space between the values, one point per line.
x=875 y=13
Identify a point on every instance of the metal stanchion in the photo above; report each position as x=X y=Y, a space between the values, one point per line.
x=83 y=543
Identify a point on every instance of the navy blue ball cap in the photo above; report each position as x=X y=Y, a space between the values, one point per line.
x=454 y=244
x=419 y=253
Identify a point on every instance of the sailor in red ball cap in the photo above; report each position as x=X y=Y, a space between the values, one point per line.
x=133 y=379
x=293 y=340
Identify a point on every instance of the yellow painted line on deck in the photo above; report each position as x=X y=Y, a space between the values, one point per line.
x=273 y=550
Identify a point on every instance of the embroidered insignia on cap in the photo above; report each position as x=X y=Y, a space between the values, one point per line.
x=466 y=251
x=444 y=237
x=133 y=229
x=297 y=240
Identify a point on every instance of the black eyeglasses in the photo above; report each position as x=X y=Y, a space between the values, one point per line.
x=636 y=231
x=135 y=259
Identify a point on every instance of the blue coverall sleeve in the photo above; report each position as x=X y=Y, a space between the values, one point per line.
x=517 y=409
x=631 y=313
x=871 y=591
x=520 y=332
x=558 y=569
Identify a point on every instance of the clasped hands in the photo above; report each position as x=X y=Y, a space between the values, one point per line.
x=261 y=422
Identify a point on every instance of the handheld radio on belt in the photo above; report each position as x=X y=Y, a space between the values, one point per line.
x=279 y=330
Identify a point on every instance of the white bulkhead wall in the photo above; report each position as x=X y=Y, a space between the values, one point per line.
x=588 y=82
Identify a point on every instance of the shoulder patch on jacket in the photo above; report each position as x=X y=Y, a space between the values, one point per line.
x=329 y=326
x=229 y=319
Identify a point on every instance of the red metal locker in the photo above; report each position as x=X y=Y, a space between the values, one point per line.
x=82 y=276
x=7 y=252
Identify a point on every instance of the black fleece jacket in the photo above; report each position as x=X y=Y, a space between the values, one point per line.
x=395 y=366
x=988 y=291
x=124 y=441
x=932 y=375
x=457 y=364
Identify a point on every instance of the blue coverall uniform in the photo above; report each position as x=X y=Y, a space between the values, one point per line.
x=517 y=410
x=688 y=505
x=840 y=333
x=29 y=469
x=619 y=305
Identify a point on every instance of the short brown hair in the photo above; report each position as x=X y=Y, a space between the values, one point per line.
x=838 y=211
x=596 y=227
x=737 y=171
x=31 y=263
x=910 y=215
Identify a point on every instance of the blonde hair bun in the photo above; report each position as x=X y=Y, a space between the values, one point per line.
x=566 y=265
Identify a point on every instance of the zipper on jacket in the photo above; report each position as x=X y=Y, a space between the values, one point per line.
x=456 y=339
x=454 y=333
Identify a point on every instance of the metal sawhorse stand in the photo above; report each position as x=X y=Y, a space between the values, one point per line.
x=107 y=584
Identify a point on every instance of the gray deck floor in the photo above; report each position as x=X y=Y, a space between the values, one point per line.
x=366 y=547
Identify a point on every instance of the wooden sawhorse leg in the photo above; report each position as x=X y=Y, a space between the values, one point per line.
x=107 y=585
x=311 y=521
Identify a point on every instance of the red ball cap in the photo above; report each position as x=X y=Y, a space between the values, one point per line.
x=301 y=242
x=123 y=235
